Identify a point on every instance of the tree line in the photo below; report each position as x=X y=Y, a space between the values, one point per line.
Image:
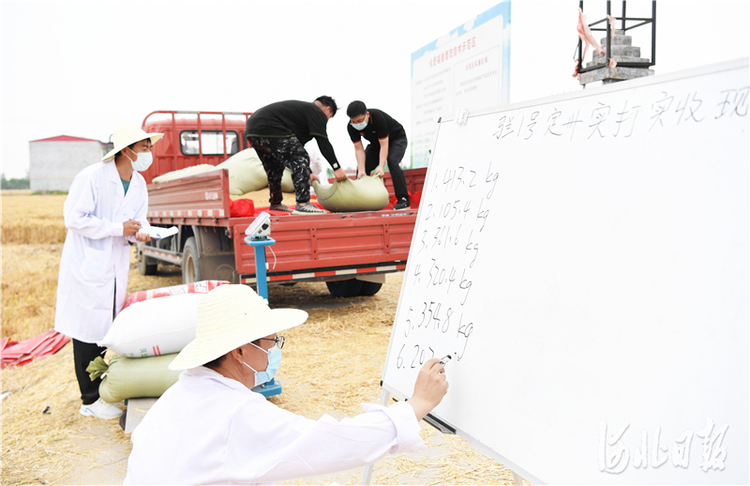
x=14 y=183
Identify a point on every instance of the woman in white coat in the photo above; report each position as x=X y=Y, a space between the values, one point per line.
x=104 y=211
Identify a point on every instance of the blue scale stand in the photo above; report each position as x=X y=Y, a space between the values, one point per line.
x=258 y=243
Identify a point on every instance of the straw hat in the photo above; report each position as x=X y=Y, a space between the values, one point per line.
x=128 y=135
x=230 y=316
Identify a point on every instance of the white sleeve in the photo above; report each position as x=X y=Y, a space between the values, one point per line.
x=141 y=213
x=79 y=208
x=285 y=446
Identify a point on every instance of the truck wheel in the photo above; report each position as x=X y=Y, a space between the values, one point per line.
x=370 y=288
x=146 y=265
x=191 y=264
x=345 y=288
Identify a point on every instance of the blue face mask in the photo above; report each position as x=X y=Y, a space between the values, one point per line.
x=274 y=361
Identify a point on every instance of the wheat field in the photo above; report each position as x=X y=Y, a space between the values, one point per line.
x=32 y=234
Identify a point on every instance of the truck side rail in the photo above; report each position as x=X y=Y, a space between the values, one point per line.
x=202 y=199
x=323 y=245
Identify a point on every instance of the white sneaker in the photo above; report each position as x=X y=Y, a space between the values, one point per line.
x=101 y=410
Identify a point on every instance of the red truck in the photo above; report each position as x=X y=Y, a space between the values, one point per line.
x=351 y=252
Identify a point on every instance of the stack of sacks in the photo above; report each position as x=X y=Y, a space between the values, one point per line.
x=246 y=173
x=365 y=194
x=146 y=336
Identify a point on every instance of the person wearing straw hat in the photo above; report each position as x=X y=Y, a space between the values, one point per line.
x=104 y=211
x=211 y=428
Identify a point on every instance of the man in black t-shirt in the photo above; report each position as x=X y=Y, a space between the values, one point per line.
x=278 y=132
x=387 y=144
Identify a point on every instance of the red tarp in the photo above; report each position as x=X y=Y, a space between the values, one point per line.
x=245 y=207
x=21 y=352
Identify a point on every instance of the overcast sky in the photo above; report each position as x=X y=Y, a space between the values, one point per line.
x=84 y=68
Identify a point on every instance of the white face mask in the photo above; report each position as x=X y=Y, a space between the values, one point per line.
x=360 y=126
x=142 y=162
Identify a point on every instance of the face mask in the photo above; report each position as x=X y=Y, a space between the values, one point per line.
x=360 y=126
x=142 y=162
x=274 y=361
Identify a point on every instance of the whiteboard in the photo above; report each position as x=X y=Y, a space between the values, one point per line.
x=584 y=259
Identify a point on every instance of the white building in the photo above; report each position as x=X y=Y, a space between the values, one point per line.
x=54 y=162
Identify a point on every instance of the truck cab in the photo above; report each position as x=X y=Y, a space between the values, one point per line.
x=194 y=138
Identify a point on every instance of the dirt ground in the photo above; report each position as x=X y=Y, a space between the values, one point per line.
x=63 y=447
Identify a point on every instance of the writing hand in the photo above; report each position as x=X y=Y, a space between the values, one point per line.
x=429 y=389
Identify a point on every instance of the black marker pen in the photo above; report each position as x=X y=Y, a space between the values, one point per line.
x=445 y=360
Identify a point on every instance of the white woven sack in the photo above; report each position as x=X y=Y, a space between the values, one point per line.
x=154 y=327
x=286 y=181
x=187 y=171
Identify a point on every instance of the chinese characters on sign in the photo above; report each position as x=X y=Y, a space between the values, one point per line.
x=454 y=51
x=603 y=120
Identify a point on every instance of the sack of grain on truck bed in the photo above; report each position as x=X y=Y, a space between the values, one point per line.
x=246 y=174
x=365 y=194
x=154 y=327
x=187 y=171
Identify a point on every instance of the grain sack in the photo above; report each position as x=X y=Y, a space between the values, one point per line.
x=187 y=171
x=137 y=378
x=202 y=287
x=286 y=181
x=246 y=173
x=365 y=194
x=154 y=327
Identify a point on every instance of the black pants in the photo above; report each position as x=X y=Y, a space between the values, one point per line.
x=276 y=154
x=83 y=354
x=396 y=151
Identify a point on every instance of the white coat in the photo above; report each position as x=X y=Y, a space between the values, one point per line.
x=210 y=429
x=96 y=255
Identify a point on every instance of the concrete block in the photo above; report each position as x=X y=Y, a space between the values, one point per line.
x=613 y=74
x=618 y=40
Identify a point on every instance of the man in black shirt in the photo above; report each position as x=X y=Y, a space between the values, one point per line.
x=387 y=144
x=278 y=132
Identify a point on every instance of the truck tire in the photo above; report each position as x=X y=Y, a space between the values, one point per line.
x=370 y=288
x=345 y=288
x=146 y=265
x=191 y=263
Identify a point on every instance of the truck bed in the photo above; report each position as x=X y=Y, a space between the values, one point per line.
x=308 y=247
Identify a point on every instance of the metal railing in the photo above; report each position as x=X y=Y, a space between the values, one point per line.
x=624 y=27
